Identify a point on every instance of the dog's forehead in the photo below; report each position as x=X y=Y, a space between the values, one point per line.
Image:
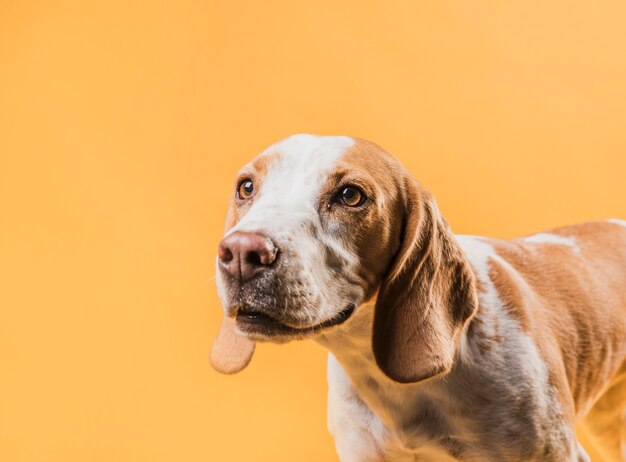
x=289 y=175
x=305 y=158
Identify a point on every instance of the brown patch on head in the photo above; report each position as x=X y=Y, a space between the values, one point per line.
x=262 y=163
x=377 y=232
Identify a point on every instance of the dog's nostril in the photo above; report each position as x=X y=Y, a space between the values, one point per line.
x=225 y=254
x=254 y=258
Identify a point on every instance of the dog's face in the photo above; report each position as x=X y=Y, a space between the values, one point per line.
x=309 y=235
x=316 y=226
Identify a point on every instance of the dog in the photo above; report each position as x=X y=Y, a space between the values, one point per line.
x=442 y=347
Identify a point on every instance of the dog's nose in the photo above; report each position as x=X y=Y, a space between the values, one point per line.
x=244 y=255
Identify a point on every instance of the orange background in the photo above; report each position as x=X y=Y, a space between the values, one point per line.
x=121 y=127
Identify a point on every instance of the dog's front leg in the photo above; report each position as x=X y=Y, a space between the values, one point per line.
x=358 y=433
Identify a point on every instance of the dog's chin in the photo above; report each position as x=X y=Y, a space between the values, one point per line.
x=262 y=327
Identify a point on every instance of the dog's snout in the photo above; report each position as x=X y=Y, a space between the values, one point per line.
x=244 y=255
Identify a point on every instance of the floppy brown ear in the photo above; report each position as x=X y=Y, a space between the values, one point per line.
x=426 y=298
x=231 y=352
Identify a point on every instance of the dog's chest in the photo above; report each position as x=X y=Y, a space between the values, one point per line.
x=361 y=435
x=504 y=419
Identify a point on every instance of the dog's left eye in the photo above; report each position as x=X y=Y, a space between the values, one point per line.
x=351 y=196
x=245 y=189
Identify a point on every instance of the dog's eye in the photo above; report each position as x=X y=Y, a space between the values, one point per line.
x=245 y=189
x=351 y=196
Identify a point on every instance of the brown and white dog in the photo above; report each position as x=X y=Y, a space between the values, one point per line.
x=442 y=347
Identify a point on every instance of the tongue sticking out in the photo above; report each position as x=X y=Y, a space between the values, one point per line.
x=231 y=352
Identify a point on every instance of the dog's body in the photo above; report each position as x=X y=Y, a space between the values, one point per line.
x=545 y=345
x=443 y=347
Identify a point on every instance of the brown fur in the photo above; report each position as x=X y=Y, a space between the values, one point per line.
x=426 y=299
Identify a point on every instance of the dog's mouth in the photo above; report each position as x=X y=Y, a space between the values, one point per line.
x=257 y=324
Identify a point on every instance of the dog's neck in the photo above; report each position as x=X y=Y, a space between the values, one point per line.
x=351 y=344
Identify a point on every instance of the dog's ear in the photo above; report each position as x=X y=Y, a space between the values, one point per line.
x=426 y=298
x=231 y=352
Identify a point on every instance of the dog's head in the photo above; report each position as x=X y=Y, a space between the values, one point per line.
x=319 y=225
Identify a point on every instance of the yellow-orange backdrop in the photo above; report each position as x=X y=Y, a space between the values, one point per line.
x=122 y=123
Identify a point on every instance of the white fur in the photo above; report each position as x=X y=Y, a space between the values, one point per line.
x=350 y=421
x=555 y=239
x=617 y=221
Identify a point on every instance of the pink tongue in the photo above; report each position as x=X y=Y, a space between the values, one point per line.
x=231 y=352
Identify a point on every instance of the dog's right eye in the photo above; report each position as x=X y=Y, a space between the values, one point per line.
x=351 y=196
x=245 y=189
